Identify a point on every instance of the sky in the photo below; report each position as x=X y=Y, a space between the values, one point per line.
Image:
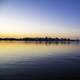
x=39 y=17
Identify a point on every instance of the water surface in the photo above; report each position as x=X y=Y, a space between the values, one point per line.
x=39 y=61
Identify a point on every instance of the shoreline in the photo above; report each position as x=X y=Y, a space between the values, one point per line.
x=41 y=39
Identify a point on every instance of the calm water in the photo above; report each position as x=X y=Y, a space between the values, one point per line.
x=39 y=61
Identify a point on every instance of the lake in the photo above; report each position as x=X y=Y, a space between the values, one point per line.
x=39 y=60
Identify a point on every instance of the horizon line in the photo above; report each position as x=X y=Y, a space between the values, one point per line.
x=39 y=39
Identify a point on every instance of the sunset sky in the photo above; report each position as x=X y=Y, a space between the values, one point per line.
x=55 y=18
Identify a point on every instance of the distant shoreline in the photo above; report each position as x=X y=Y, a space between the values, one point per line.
x=46 y=39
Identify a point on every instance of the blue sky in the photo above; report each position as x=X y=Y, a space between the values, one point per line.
x=40 y=16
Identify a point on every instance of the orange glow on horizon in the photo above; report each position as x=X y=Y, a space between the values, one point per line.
x=22 y=35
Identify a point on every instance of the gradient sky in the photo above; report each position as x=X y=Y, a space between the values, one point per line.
x=40 y=17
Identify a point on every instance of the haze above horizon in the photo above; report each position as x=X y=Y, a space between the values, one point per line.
x=57 y=18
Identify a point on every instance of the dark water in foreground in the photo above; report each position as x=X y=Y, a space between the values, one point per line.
x=39 y=61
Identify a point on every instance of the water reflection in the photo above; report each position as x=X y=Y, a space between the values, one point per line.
x=39 y=60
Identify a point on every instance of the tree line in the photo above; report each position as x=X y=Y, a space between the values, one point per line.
x=39 y=39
